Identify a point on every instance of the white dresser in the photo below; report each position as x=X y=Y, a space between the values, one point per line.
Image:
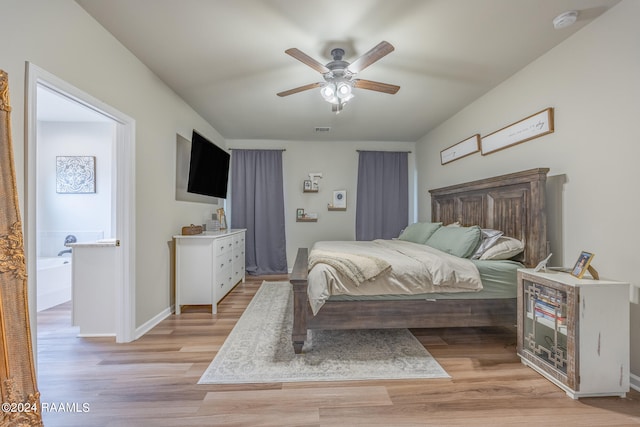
x=208 y=266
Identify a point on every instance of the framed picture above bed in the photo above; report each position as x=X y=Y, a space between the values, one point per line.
x=534 y=126
x=461 y=149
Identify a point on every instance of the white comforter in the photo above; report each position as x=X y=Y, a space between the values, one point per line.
x=415 y=269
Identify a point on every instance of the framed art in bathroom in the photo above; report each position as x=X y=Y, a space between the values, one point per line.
x=75 y=174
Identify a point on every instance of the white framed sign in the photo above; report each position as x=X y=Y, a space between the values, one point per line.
x=340 y=199
x=461 y=149
x=531 y=127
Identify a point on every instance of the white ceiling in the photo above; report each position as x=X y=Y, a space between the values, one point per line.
x=226 y=58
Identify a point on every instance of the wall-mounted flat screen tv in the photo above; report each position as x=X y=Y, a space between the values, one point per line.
x=208 y=168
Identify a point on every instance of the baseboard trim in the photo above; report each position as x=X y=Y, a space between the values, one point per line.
x=153 y=322
x=634 y=382
x=96 y=335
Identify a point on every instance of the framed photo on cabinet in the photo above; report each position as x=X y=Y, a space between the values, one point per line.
x=582 y=264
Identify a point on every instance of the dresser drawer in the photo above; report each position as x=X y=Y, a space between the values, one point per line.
x=223 y=245
x=238 y=241
x=224 y=282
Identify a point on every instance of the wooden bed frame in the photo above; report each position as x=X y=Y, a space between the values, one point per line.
x=513 y=203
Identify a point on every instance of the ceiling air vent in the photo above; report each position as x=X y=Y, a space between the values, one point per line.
x=323 y=129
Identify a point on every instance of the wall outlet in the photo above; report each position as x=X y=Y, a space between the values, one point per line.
x=634 y=294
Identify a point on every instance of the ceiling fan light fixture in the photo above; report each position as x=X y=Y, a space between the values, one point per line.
x=328 y=92
x=344 y=91
x=339 y=75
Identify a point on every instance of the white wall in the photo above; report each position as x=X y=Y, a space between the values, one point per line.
x=592 y=82
x=61 y=38
x=338 y=162
x=79 y=214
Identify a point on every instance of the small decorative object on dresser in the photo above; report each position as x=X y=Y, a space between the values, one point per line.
x=575 y=332
x=307 y=185
x=190 y=230
x=299 y=213
x=222 y=218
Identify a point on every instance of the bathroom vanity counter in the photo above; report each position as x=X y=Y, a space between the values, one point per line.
x=93 y=287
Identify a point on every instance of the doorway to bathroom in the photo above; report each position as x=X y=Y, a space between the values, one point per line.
x=80 y=161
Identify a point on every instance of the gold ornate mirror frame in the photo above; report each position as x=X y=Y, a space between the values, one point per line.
x=20 y=403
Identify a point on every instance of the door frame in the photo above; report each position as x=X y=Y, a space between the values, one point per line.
x=123 y=195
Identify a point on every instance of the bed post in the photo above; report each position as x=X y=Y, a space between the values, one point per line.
x=298 y=279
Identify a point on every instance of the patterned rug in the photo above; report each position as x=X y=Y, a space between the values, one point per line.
x=259 y=350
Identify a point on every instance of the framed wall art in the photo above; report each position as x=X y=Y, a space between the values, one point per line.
x=340 y=199
x=531 y=127
x=75 y=174
x=461 y=149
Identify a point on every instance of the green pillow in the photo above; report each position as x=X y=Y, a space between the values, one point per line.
x=459 y=241
x=419 y=232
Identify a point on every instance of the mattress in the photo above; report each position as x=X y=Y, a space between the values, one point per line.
x=499 y=281
x=416 y=272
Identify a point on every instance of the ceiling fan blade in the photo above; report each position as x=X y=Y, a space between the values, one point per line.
x=299 y=89
x=377 y=86
x=306 y=59
x=382 y=49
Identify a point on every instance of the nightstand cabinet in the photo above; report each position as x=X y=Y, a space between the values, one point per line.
x=575 y=332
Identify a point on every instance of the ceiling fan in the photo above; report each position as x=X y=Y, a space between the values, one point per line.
x=339 y=75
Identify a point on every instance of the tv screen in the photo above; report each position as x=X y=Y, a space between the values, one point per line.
x=208 y=168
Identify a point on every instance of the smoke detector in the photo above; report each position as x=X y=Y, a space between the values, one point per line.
x=565 y=19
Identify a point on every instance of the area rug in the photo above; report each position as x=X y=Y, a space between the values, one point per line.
x=259 y=349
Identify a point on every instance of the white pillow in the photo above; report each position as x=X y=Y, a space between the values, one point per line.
x=489 y=239
x=505 y=248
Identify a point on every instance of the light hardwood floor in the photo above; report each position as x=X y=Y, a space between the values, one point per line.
x=153 y=382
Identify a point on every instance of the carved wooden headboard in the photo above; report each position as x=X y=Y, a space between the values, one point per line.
x=513 y=203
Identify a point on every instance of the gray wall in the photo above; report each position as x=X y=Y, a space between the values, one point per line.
x=338 y=162
x=592 y=82
x=61 y=38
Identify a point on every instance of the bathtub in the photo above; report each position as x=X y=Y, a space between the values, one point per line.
x=53 y=281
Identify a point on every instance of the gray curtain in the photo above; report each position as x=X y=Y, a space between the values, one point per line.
x=382 y=200
x=257 y=204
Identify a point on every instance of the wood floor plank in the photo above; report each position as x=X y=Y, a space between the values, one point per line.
x=306 y=397
x=153 y=381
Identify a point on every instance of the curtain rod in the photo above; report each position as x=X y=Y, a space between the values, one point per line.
x=262 y=149
x=387 y=151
